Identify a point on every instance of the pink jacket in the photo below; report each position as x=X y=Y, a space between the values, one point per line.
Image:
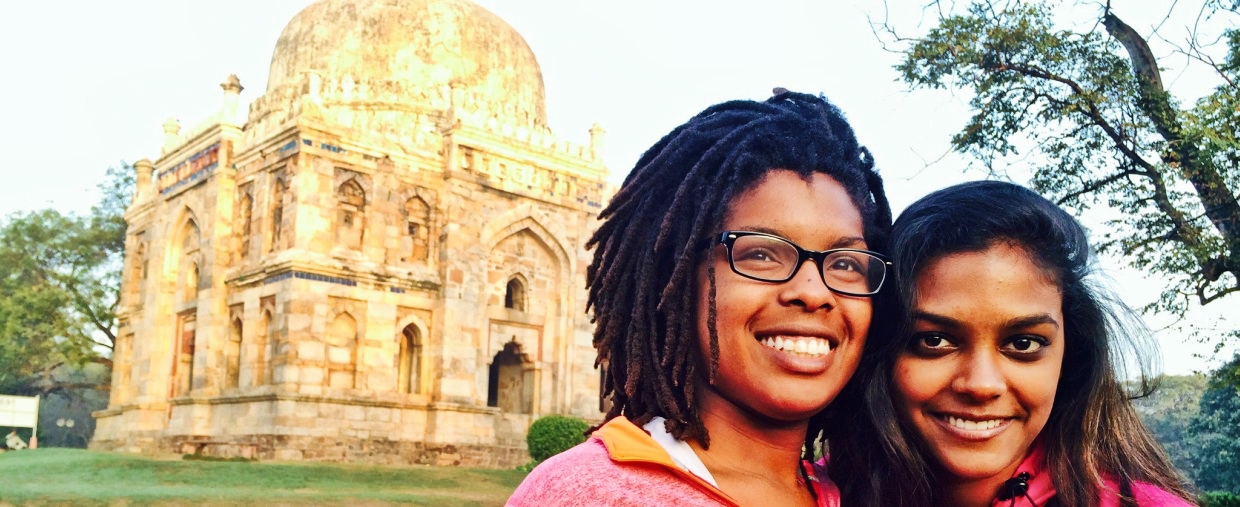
x=620 y=465
x=1041 y=490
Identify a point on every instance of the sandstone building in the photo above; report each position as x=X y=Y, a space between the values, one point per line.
x=381 y=260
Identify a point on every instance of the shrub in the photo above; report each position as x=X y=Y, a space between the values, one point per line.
x=554 y=434
x=1219 y=499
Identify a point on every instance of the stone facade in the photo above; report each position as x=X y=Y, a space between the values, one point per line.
x=381 y=260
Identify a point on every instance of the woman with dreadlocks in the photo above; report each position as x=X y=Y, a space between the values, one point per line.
x=999 y=383
x=731 y=286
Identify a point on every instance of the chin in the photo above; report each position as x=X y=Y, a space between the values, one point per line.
x=790 y=410
x=973 y=466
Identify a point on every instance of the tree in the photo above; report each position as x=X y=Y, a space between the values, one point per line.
x=59 y=289
x=1215 y=432
x=1087 y=106
x=1168 y=413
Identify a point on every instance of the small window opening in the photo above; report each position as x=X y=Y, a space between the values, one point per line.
x=514 y=295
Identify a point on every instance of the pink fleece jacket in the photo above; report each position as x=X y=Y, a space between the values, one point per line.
x=621 y=465
x=1041 y=490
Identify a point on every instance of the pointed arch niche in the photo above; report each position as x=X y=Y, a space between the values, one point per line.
x=409 y=361
x=531 y=274
x=350 y=215
x=515 y=293
x=182 y=269
x=186 y=261
x=279 y=201
x=245 y=222
x=256 y=354
x=417 y=241
x=232 y=354
x=342 y=352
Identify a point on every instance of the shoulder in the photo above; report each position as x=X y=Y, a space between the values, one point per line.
x=565 y=478
x=1145 y=494
x=586 y=475
x=1149 y=495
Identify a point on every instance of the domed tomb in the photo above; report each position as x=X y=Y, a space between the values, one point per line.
x=407 y=56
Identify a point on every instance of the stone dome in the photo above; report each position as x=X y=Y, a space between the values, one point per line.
x=409 y=55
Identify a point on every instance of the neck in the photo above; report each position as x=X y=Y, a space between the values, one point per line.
x=973 y=493
x=978 y=492
x=747 y=446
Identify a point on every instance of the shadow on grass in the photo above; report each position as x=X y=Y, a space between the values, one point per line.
x=79 y=477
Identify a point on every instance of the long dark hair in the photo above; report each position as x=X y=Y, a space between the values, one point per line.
x=1093 y=430
x=641 y=282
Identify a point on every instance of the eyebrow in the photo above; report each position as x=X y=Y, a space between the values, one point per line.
x=844 y=242
x=1024 y=322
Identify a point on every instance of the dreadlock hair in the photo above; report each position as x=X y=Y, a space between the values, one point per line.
x=641 y=281
x=1093 y=430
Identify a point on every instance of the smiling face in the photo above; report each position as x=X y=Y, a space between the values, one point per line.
x=785 y=349
x=978 y=378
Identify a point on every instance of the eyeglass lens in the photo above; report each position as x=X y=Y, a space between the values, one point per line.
x=773 y=259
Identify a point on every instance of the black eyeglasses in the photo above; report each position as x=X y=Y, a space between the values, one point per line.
x=770 y=258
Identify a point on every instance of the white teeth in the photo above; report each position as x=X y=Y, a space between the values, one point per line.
x=799 y=345
x=968 y=425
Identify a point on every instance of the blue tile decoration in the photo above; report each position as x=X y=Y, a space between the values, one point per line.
x=315 y=277
x=195 y=168
x=302 y=275
x=278 y=278
x=324 y=278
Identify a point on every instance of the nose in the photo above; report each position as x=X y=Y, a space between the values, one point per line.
x=981 y=377
x=807 y=289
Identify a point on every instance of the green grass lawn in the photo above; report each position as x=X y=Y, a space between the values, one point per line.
x=79 y=477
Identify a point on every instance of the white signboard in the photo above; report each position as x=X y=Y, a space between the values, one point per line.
x=19 y=411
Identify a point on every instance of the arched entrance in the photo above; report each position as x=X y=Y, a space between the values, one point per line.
x=510 y=385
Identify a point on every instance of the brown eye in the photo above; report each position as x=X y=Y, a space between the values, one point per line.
x=931 y=344
x=1025 y=345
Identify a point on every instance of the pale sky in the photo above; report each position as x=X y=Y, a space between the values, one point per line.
x=87 y=84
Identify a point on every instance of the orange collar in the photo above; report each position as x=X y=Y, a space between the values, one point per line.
x=626 y=442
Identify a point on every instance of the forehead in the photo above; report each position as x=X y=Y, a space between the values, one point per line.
x=788 y=204
x=995 y=284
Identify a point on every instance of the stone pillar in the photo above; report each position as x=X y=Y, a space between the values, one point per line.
x=142 y=186
x=172 y=135
x=229 y=113
x=597 y=134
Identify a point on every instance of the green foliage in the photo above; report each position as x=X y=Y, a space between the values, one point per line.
x=1168 y=412
x=1084 y=107
x=1215 y=430
x=553 y=434
x=59 y=288
x=1219 y=499
x=72 y=402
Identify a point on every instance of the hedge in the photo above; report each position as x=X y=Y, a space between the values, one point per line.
x=1219 y=499
x=553 y=434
